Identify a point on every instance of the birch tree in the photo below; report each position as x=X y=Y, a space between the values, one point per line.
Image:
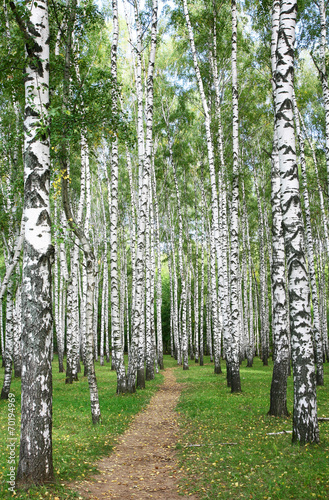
x=305 y=422
x=115 y=322
x=234 y=368
x=35 y=457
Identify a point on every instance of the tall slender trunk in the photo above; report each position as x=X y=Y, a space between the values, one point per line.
x=280 y=333
x=182 y=270
x=149 y=352
x=35 y=457
x=18 y=333
x=115 y=320
x=310 y=254
x=9 y=352
x=178 y=347
x=235 y=371
x=145 y=158
x=216 y=324
x=264 y=333
x=196 y=303
x=158 y=271
x=324 y=77
x=250 y=345
x=305 y=422
x=222 y=245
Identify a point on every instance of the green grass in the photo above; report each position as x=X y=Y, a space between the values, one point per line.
x=258 y=466
x=77 y=444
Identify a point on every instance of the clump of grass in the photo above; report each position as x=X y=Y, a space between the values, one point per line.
x=77 y=444
x=258 y=466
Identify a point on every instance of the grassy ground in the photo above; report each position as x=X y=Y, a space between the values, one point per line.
x=258 y=466
x=77 y=445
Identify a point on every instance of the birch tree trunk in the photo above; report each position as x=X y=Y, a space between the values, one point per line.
x=223 y=281
x=115 y=317
x=305 y=422
x=324 y=77
x=149 y=352
x=9 y=351
x=35 y=457
x=89 y=270
x=145 y=160
x=57 y=297
x=178 y=348
x=158 y=271
x=264 y=334
x=216 y=324
x=310 y=254
x=18 y=333
x=182 y=270
x=251 y=344
x=234 y=368
x=196 y=303
x=280 y=330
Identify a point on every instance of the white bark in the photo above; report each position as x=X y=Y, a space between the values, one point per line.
x=145 y=158
x=158 y=272
x=35 y=458
x=324 y=77
x=182 y=270
x=234 y=261
x=310 y=254
x=305 y=423
x=264 y=333
x=178 y=347
x=9 y=351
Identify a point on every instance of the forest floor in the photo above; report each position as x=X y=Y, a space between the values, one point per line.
x=144 y=463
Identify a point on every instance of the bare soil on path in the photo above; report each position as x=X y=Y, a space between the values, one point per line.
x=143 y=464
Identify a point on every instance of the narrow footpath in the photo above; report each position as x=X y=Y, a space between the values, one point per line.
x=143 y=463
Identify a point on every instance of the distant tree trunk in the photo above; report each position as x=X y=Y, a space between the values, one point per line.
x=310 y=254
x=202 y=290
x=178 y=348
x=248 y=283
x=57 y=296
x=103 y=312
x=321 y=261
x=319 y=186
x=9 y=352
x=35 y=458
x=96 y=299
x=196 y=289
x=115 y=321
x=149 y=351
x=172 y=345
x=18 y=333
x=264 y=333
x=324 y=77
x=216 y=326
x=158 y=272
x=89 y=285
x=209 y=306
x=182 y=270
x=305 y=422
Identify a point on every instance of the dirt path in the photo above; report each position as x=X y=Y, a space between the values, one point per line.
x=143 y=464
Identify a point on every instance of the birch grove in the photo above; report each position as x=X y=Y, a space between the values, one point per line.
x=163 y=191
